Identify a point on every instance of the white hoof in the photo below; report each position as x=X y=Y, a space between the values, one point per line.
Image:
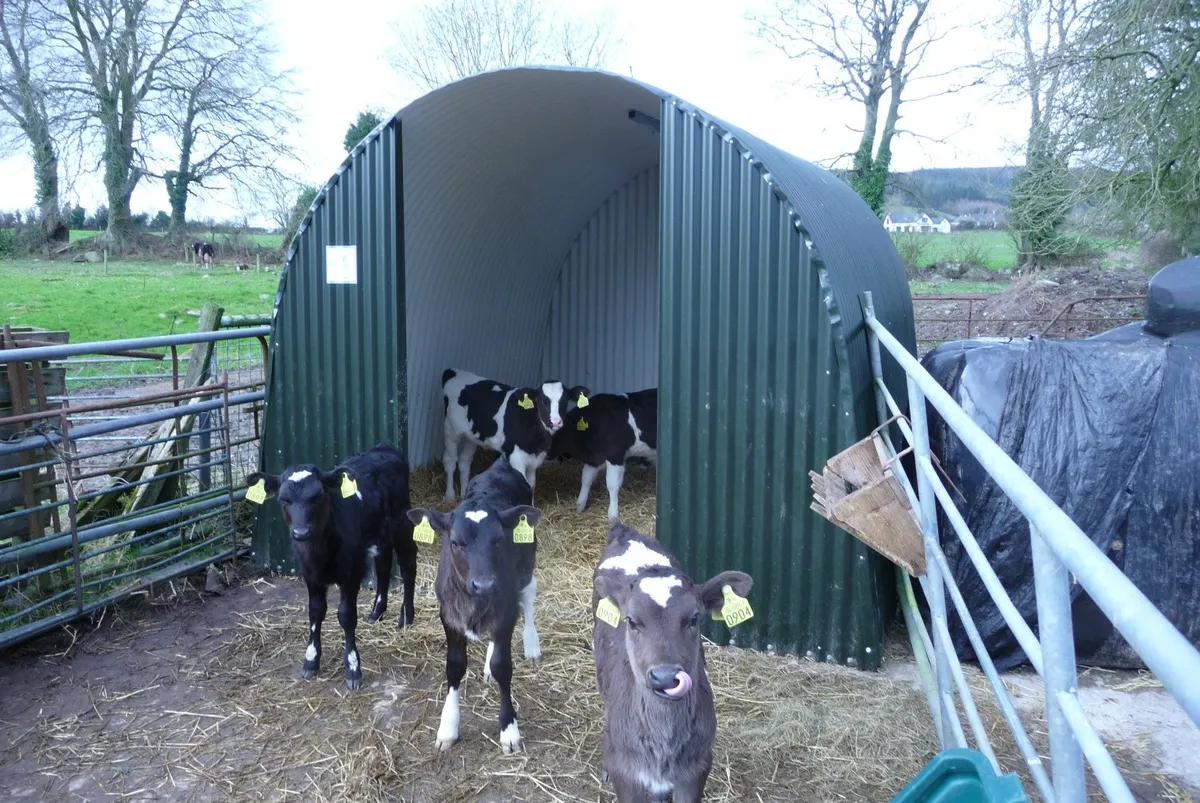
x=445 y=744
x=533 y=646
x=510 y=738
x=487 y=664
x=581 y=506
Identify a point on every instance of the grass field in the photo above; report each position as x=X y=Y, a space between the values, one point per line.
x=993 y=249
x=135 y=299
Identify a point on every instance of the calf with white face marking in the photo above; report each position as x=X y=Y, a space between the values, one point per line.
x=659 y=720
x=334 y=535
x=517 y=422
x=609 y=430
x=484 y=575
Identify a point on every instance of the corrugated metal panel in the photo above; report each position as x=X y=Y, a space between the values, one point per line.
x=604 y=313
x=336 y=381
x=755 y=392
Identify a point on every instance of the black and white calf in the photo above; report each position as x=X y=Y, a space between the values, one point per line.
x=484 y=576
x=611 y=429
x=334 y=536
x=205 y=252
x=517 y=422
x=659 y=719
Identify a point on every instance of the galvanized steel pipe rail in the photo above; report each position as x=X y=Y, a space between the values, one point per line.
x=1059 y=547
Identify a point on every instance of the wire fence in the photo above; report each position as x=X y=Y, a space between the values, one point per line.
x=120 y=464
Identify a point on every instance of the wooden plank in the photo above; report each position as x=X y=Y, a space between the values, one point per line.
x=21 y=334
x=55 y=380
x=200 y=357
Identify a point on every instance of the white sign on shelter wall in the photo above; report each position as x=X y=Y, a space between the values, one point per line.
x=341 y=264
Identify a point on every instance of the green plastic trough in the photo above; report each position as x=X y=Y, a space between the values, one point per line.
x=961 y=776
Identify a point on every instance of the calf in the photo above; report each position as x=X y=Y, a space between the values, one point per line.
x=517 y=422
x=610 y=430
x=205 y=252
x=659 y=722
x=485 y=572
x=333 y=536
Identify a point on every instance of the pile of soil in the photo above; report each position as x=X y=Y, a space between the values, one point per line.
x=1032 y=303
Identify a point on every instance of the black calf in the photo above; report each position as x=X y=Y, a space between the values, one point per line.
x=337 y=520
x=484 y=575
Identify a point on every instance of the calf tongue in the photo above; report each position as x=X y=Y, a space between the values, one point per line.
x=683 y=684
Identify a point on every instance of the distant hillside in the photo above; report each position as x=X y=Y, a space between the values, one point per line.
x=953 y=189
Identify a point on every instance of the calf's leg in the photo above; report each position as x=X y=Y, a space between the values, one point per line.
x=585 y=486
x=316 y=615
x=530 y=641
x=466 y=453
x=615 y=478
x=501 y=666
x=382 y=549
x=692 y=792
x=406 y=550
x=456 y=668
x=450 y=459
x=348 y=618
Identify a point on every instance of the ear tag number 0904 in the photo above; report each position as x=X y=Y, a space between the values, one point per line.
x=608 y=612
x=523 y=533
x=735 y=610
x=423 y=532
x=257 y=493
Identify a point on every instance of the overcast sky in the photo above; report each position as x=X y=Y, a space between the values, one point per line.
x=701 y=50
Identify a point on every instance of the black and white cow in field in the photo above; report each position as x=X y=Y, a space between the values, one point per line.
x=205 y=253
x=659 y=719
x=484 y=579
x=334 y=536
x=517 y=422
x=611 y=429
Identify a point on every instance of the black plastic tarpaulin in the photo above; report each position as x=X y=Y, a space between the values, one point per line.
x=1109 y=428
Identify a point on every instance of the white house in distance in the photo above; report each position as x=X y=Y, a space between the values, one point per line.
x=910 y=223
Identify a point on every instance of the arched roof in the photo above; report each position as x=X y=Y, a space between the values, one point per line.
x=512 y=163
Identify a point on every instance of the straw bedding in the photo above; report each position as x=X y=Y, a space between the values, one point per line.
x=205 y=701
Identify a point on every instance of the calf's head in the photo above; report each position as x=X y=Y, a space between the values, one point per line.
x=661 y=610
x=552 y=400
x=305 y=495
x=472 y=538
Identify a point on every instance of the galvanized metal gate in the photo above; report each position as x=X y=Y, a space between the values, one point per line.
x=1060 y=551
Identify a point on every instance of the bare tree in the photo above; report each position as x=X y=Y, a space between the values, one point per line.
x=1038 y=70
x=225 y=108
x=120 y=50
x=1136 y=103
x=453 y=39
x=29 y=107
x=870 y=52
x=276 y=193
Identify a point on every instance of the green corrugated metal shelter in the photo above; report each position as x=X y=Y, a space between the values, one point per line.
x=541 y=222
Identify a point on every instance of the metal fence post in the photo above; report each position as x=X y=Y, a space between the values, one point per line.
x=1057 y=636
x=935 y=590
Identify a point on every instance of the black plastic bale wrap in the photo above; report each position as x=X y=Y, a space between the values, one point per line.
x=1173 y=298
x=1110 y=430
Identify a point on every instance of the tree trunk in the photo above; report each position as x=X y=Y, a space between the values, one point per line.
x=178 y=182
x=45 y=174
x=120 y=179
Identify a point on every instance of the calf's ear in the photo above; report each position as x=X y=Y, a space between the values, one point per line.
x=614 y=585
x=270 y=481
x=332 y=479
x=437 y=519
x=510 y=517
x=712 y=595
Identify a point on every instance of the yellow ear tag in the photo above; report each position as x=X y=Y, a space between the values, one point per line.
x=523 y=533
x=608 y=612
x=423 y=532
x=525 y=403
x=583 y=401
x=581 y=425
x=735 y=610
x=349 y=487
x=257 y=493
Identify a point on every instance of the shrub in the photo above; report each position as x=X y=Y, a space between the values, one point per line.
x=911 y=249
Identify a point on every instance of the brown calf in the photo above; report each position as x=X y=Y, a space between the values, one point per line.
x=659 y=722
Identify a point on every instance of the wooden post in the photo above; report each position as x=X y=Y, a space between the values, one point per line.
x=106 y=260
x=257 y=262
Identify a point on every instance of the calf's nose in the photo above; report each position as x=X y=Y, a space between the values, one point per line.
x=482 y=585
x=300 y=533
x=661 y=678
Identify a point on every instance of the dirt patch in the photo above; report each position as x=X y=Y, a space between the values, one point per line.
x=1031 y=305
x=187 y=696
